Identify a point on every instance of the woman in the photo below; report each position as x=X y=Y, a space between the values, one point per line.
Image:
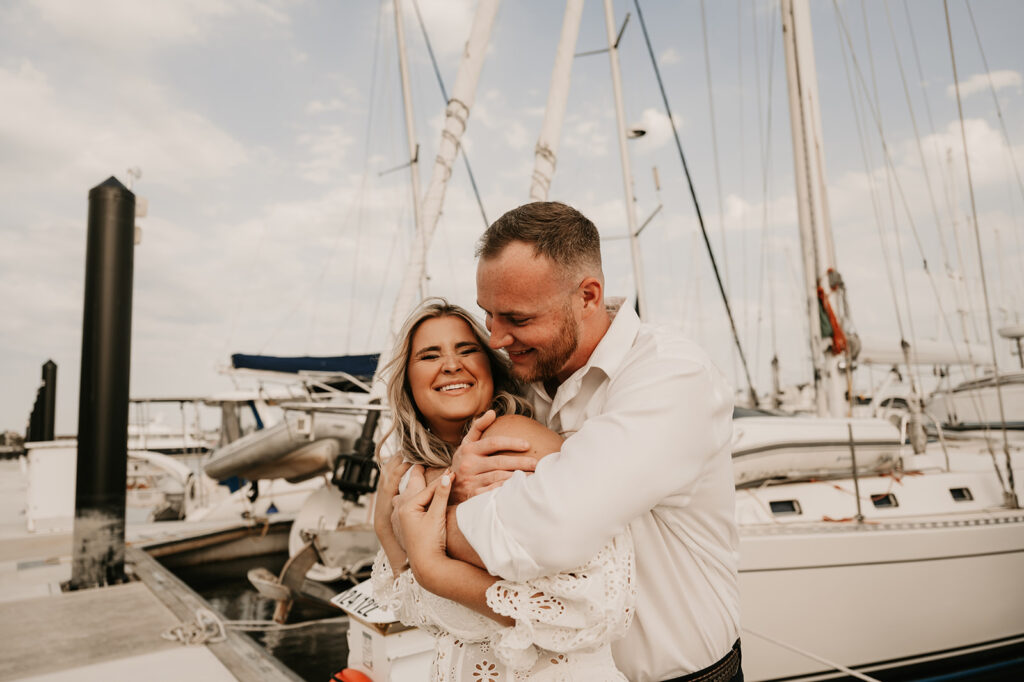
x=441 y=377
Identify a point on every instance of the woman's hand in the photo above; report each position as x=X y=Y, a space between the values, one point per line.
x=421 y=527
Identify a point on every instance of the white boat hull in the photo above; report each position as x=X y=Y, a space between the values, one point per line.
x=890 y=593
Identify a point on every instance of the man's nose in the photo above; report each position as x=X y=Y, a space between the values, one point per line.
x=500 y=336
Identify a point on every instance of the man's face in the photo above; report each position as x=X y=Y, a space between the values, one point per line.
x=530 y=313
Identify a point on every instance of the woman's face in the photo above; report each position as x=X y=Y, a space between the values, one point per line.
x=449 y=375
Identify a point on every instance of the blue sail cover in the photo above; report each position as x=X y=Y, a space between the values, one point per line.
x=360 y=366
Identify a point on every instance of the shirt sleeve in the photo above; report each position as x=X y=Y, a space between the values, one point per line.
x=665 y=419
x=580 y=609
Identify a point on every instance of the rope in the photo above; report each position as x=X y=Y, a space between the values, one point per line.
x=803 y=652
x=1012 y=496
x=696 y=206
x=209 y=628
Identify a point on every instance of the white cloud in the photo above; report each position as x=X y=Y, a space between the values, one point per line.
x=322 y=106
x=54 y=130
x=980 y=82
x=132 y=25
x=328 y=153
x=670 y=56
x=448 y=23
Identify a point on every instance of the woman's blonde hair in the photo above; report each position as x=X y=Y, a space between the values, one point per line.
x=415 y=440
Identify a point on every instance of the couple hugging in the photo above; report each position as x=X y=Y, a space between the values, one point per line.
x=561 y=504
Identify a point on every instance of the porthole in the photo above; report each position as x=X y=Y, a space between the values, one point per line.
x=785 y=507
x=884 y=500
x=961 y=494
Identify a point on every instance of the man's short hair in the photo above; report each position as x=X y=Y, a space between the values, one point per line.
x=555 y=230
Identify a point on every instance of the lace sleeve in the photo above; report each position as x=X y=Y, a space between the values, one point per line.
x=417 y=607
x=575 y=610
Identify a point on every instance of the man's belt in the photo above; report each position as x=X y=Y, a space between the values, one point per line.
x=723 y=670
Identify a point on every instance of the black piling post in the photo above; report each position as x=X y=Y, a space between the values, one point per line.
x=98 y=549
x=41 y=421
x=49 y=399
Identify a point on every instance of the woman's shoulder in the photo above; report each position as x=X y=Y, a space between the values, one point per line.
x=543 y=440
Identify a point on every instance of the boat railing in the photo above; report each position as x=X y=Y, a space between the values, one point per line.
x=815 y=657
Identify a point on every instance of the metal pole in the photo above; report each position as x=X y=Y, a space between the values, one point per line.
x=410 y=128
x=98 y=539
x=627 y=175
x=546 y=151
x=853 y=467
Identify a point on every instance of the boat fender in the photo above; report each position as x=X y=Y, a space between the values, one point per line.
x=349 y=675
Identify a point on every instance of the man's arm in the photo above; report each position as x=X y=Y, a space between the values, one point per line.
x=663 y=422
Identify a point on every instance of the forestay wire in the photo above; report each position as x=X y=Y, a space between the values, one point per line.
x=696 y=206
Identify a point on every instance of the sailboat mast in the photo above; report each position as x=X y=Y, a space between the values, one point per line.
x=627 y=176
x=817 y=248
x=546 y=152
x=456 y=117
x=410 y=130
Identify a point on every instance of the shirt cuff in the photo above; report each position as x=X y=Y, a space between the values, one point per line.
x=502 y=554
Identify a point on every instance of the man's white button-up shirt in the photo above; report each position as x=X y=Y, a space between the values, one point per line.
x=648 y=422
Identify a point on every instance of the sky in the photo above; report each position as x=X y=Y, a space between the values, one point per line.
x=261 y=134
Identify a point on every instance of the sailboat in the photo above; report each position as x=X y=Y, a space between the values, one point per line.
x=865 y=548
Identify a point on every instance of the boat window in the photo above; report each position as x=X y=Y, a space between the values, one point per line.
x=961 y=494
x=885 y=500
x=785 y=507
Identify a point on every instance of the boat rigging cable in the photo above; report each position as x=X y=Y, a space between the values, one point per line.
x=954 y=276
x=696 y=206
x=913 y=370
x=444 y=93
x=714 y=150
x=995 y=99
x=764 y=130
x=744 y=289
x=999 y=114
x=841 y=22
x=1011 y=498
x=895 y=175
x=865 y=155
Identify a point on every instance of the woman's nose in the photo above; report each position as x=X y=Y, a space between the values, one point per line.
x=451 y=363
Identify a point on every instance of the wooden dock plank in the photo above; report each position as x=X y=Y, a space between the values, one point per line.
x=73 y=629
x=246 y=659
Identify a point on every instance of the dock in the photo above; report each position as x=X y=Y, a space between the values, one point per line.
x=108 y=633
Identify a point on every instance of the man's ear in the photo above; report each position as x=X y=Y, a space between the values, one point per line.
x=592 y=292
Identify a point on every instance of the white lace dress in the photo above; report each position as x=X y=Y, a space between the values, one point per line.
x=564 y=624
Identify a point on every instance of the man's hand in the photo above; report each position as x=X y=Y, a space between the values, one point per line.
x=478 y=469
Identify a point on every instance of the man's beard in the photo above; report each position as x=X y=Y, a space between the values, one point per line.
x=551 y=360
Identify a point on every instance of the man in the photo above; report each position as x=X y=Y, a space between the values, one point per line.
x=648 y=422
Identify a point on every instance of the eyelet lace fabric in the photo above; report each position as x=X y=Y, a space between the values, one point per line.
x=564 y=624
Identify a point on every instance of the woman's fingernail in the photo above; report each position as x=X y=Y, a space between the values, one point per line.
x=446 y=480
